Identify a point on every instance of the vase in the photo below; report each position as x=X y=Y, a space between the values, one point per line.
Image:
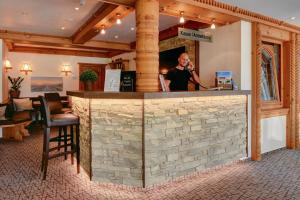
x=14 y=94
x=88 y=85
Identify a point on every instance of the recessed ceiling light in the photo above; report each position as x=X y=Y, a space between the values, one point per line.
x=118 y=19
x=132 y=28
x=103 y=30
x=181 y=19
x=77 y=8
x=116 y=36
x=62 y=28
x=293 y=18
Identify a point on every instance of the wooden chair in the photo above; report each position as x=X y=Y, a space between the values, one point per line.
x=63 y=121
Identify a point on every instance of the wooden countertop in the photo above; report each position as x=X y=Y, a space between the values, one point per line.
x=153 y=95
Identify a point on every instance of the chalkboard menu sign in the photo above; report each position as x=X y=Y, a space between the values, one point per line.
x=128 y=81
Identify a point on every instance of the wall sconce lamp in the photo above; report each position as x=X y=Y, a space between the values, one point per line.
x=213 y=26
x=181 y=19
x=7 y=65
x=26 y=68
x=66 y=69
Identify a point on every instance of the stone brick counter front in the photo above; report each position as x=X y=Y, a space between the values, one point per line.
x=141 y=139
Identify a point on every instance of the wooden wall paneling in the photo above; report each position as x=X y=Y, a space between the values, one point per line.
x=256 y=93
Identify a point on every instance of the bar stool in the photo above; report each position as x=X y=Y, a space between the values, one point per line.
x=56 y=107
x=61 y=121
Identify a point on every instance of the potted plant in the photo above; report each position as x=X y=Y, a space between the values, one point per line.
x=88 y=77
x=15 y=83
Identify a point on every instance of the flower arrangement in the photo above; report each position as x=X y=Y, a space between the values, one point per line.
x=15 y=83
x=88 y=75
x=14 y=91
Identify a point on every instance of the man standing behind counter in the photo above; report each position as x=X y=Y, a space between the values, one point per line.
x=177 y=78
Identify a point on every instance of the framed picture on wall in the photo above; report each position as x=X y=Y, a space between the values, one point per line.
x=46 y=84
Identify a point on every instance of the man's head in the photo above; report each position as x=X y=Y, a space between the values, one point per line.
x=183 y=59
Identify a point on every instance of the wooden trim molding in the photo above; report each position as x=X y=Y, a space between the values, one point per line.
x=256 y=91
x=55 y=51
x=274 y=112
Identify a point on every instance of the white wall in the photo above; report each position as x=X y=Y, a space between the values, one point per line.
x=273 y=133
x=224 y=53
x=128 y=56
x=2 y=50
x=49 y=66
x=246 y=65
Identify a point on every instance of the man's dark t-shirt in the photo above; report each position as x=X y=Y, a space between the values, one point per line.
x=179 y=79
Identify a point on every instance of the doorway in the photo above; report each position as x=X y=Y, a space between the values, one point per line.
x=100 y=71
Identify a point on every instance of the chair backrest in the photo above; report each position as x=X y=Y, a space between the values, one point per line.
x=52 y=96
x=45 y=111
x=54 y=102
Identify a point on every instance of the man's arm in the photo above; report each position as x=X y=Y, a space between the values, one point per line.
x=195 y=77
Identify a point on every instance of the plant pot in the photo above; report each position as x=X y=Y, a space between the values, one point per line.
x=88 y=85
x=14 y=94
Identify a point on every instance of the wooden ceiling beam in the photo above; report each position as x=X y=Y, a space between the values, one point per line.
x=105 y=16
x=42 y=50
x=9 y=45
x=194 y=13
x=130 y=3
x=173 y=31
x=216 y=9
x=88 y=30
x=61 y=41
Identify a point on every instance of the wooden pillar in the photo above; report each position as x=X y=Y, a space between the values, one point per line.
x=297 y=66
x=147 y=49
x=291 y=119
x=256 y=93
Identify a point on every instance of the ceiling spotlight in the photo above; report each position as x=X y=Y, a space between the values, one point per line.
x=116 y=36
x=62 y=28
x=132 y=28
x=103 y=30
x=118 y=19
x=293 y=18
x=77 y=8
x=213 y=26
x=181 y=19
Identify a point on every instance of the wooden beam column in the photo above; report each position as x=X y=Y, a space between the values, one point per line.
x=291 y=119
x=297 y=90
x=256 y=93
x=147 y=49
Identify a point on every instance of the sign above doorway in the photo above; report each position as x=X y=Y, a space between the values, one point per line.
x=193 y=35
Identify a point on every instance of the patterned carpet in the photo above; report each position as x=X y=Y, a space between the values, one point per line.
x=277 y=176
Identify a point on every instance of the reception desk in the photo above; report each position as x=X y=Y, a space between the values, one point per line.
x=141 y=139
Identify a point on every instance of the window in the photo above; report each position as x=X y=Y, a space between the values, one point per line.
x=271 y=73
